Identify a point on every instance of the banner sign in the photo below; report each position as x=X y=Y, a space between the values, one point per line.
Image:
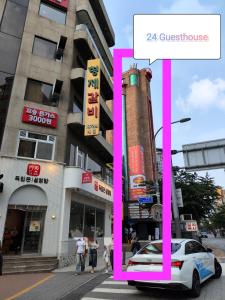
x=39 y=117
x=136 y=171
x=33 y=169
x=92 y=98
x=60 y=3
x=87 y=177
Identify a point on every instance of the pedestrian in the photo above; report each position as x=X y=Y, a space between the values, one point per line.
x=93 y=254
x=136 y=246
x=106 y=258
x=1 y=259
x=80 y=255
x=111 y=247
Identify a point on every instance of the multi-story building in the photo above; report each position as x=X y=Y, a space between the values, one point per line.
x=138 y=145
x=56 y=182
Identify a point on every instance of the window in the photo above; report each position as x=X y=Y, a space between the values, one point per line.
x=77 y=157
x=52 y=13
x=13 y=19
x=156 y=248
x=133 y=79
x=86 y=221
x=76 y=220
x=94 y=167
x=33 y=145
x=9 y=49
x=40 y=92
x=194 y=247
x=44 y=48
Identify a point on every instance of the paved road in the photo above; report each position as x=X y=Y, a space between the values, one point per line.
x=213 y=289
x=218 y=243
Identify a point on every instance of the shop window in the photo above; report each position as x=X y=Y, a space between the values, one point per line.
x=44 y=48
x=133 y=79
x=89 y=224
x=86 y=221
x=100 y=223
x=39 y=146
x=76 y=220
x=13 y=19
x=52 y=13
x=40 y=92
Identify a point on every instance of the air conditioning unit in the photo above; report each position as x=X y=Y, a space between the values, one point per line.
x=186 y=217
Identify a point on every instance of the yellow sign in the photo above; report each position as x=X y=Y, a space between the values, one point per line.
x=92 y=98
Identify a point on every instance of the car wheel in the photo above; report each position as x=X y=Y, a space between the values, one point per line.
x=196 y=287
x=218 y=270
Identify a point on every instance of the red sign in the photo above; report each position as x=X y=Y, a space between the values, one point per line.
x=136 y=160
x=33 y=169
x=87 y=177
x=39 y=117
x=60 y=3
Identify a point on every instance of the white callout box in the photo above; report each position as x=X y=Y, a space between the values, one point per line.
x=177 y=37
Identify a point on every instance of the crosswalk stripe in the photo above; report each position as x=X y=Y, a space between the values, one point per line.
x=91 y=298
x=115 y=291
x=115 y=282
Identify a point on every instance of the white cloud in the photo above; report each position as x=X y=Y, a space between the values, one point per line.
x=187 y=7
x=128 y=34
x=203 y=95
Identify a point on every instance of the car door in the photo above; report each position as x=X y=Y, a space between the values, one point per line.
x=208 y=259
x=203 y=261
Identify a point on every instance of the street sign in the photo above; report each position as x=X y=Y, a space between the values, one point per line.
x=179 y=198
x=191 y=226
x=144 y=200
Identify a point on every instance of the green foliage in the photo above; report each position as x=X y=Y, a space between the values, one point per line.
x=218 y=219
x=199 y=194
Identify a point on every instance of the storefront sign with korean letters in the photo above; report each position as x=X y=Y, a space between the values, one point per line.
x=39 y=117
x=92 y=98
x=33 y=169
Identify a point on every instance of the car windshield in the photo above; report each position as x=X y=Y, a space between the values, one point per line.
x=156 y=248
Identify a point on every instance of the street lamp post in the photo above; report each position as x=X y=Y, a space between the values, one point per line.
x=173 y=187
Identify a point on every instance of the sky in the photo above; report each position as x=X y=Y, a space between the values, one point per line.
x=198 y=86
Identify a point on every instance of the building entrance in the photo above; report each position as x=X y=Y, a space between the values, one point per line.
x=23 y=230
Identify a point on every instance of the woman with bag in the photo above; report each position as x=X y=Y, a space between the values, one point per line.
x=93 y=246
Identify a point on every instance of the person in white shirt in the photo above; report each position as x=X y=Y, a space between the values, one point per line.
x=80 y=255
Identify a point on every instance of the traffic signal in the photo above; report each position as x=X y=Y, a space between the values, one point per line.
x=1 y=183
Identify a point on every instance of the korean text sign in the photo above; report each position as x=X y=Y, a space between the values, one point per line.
x=92 y=98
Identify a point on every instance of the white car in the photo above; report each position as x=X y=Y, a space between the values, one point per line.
x=191 y=264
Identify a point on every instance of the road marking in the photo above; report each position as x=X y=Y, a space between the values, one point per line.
x=115 y=291
x=29 y=288
x=115 y=282
x=90 y=298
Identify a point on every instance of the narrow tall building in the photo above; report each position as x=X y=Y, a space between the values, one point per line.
x=55 y=125
x=138 y=143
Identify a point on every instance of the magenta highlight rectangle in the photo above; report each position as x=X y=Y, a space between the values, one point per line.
x=119 y=274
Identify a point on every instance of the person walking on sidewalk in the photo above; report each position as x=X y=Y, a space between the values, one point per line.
x=80 y=255
x=1 y=258
x=93 y=254
x=106 y=258
x=135 y=246
x=111 y=247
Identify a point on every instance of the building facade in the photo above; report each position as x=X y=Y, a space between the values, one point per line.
x=138 y=146
x=56 y=181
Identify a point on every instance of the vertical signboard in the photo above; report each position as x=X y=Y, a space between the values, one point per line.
x=92 y=98
x=136 y=171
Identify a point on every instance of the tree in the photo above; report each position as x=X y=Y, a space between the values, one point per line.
x=199 y=194
x=218 y=219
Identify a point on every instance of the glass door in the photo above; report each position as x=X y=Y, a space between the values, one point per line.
x=33 y=231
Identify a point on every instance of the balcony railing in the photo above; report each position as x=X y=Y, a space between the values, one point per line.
x=83 y=27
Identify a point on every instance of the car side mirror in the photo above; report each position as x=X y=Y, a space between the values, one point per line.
x=209 y=250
